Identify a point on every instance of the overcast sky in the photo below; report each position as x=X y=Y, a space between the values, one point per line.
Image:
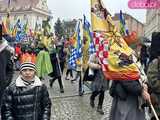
x=70 y=9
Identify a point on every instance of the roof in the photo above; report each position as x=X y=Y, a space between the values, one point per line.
x=22 y=5
x=126 y=16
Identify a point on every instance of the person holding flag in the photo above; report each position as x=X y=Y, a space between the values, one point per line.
x=119 y=65
x=76 y=53
x=99 y=84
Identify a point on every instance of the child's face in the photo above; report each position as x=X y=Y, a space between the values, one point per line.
x=28 y=74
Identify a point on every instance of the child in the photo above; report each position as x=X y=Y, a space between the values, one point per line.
x=27 y=98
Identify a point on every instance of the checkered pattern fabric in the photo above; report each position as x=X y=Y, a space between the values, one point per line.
x=75 y=54
x=101 y=46
x=92 y=48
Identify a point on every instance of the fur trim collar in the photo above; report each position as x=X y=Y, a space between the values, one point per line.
x=20 y=83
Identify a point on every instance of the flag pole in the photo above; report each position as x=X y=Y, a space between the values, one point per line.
x=154 y=112
x=81 y=90
x=143 y=80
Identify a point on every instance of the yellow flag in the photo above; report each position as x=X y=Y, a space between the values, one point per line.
x=46 y=41
x=99 y=17
x=117 y=60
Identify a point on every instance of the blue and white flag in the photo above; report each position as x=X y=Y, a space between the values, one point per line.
x=76 y=52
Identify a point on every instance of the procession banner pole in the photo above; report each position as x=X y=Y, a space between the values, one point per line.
x=82 y=87
x=154 y=112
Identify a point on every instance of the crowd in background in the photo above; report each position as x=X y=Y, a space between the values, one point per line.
x=52 y=59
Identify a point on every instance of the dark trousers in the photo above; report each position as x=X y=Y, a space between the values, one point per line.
x=101 y=97
x=59 y=81
x=78 y=75
x=69 y=71
x=80 y=81
x=62 y=66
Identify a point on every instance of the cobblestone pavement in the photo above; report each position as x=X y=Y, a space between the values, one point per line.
x=77 y=108
x=70 y=106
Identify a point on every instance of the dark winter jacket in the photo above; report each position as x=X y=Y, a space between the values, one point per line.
x=55 y=65
x=122 y=89
x=144 y=54
x=21 y=102
x=125 y=103
x=6 y=63
x=6 y=66
x=61 y=54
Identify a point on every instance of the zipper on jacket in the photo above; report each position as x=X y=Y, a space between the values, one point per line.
x=35 y=104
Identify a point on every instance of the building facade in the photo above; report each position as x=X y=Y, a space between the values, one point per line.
x=132 y=24
x=33 y=14
x=152 y=22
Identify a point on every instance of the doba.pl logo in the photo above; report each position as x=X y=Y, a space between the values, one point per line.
x=144 y=4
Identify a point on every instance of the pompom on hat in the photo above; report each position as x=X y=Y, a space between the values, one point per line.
x=28 y=65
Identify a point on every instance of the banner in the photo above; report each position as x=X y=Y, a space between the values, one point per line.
x=88 y=45
x=98 y=16
x=76 y=52
x=115 y=57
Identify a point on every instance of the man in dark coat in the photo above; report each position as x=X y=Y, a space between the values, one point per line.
x=6 y=65
x=56 y=74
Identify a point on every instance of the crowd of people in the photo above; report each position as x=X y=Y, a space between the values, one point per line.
x=23 y=98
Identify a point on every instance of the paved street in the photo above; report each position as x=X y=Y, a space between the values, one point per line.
x=70 y=106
